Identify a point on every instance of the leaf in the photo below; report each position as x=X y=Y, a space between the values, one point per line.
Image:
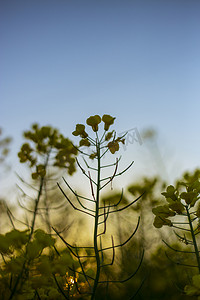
x=14 y=266
x=177 y=206
x=163 y=211
x=17 y=238
x=4 y=245
x=170 y=193
x=44 y=239
x=161 y=221
x=194 y=289
x=33 y=250
x=196 y=281
x=189 y=197
x=44 y=265
x=191 y=290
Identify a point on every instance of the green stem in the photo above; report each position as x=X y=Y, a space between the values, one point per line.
x=193 y=238
x=42 y=179
x=96 y=223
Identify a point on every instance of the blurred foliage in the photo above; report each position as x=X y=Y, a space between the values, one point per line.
x=46 y=140
x=49 y=269
x=4 y=146
x=181 y=211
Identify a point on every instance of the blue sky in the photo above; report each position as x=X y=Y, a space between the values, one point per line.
x=62 y=61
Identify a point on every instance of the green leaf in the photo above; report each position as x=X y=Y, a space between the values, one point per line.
x=34 y=249
x=194 y=289
x=17 y=238
x=161 y=221
x=170 y=193
x=189 y=197
x=44 y=265
x=44 y=239
x=191 y=290
x=4 y=245
x=14 y=266
x=177 y=206
x=163 y=211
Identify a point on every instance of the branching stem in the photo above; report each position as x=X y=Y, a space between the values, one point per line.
x=193 y=238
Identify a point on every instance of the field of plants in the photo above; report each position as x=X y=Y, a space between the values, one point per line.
x=59 y=243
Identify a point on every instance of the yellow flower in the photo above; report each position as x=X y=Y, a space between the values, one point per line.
x=108 y=120
x=93 y=155
x=80 y=130
x=94 y=121
x=113 y=146
x=84 y=142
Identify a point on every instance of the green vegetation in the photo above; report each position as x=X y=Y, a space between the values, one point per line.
x=107 y=243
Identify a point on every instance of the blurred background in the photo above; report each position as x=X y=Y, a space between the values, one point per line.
x=63 y=61
x=138 y=61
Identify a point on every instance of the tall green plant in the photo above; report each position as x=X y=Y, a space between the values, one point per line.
x=45 y=148
x=98 y=146
x=181 y=211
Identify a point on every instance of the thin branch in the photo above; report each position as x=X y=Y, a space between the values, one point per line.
x=76 y=208
x=113 y=256
x=24 y=207
x=122 y=244
x=139 y=288
x=104 y=153
x=106 y=214
x=26 y=224
x=105 y=218
x=133 y=274
x=116 y=204
x=83 y=171
x=75 y=282
x=74 y=247
x=102 y=258
x=177 y=250
x=81 y=273
x=10 y=217
x=84 y=274
x=118 y=174
x=92 y=190
x=178 y=263
x=76 y=193
x=120 y=209
x=183 y=239
x=181 y=228
x=89 y=167
x=83 y=206
x=112 y=177
x=111 y=165
x=60 y=289
x=80 y=151
x=22 y=180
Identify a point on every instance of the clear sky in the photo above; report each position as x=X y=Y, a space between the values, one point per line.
x=62 y=61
